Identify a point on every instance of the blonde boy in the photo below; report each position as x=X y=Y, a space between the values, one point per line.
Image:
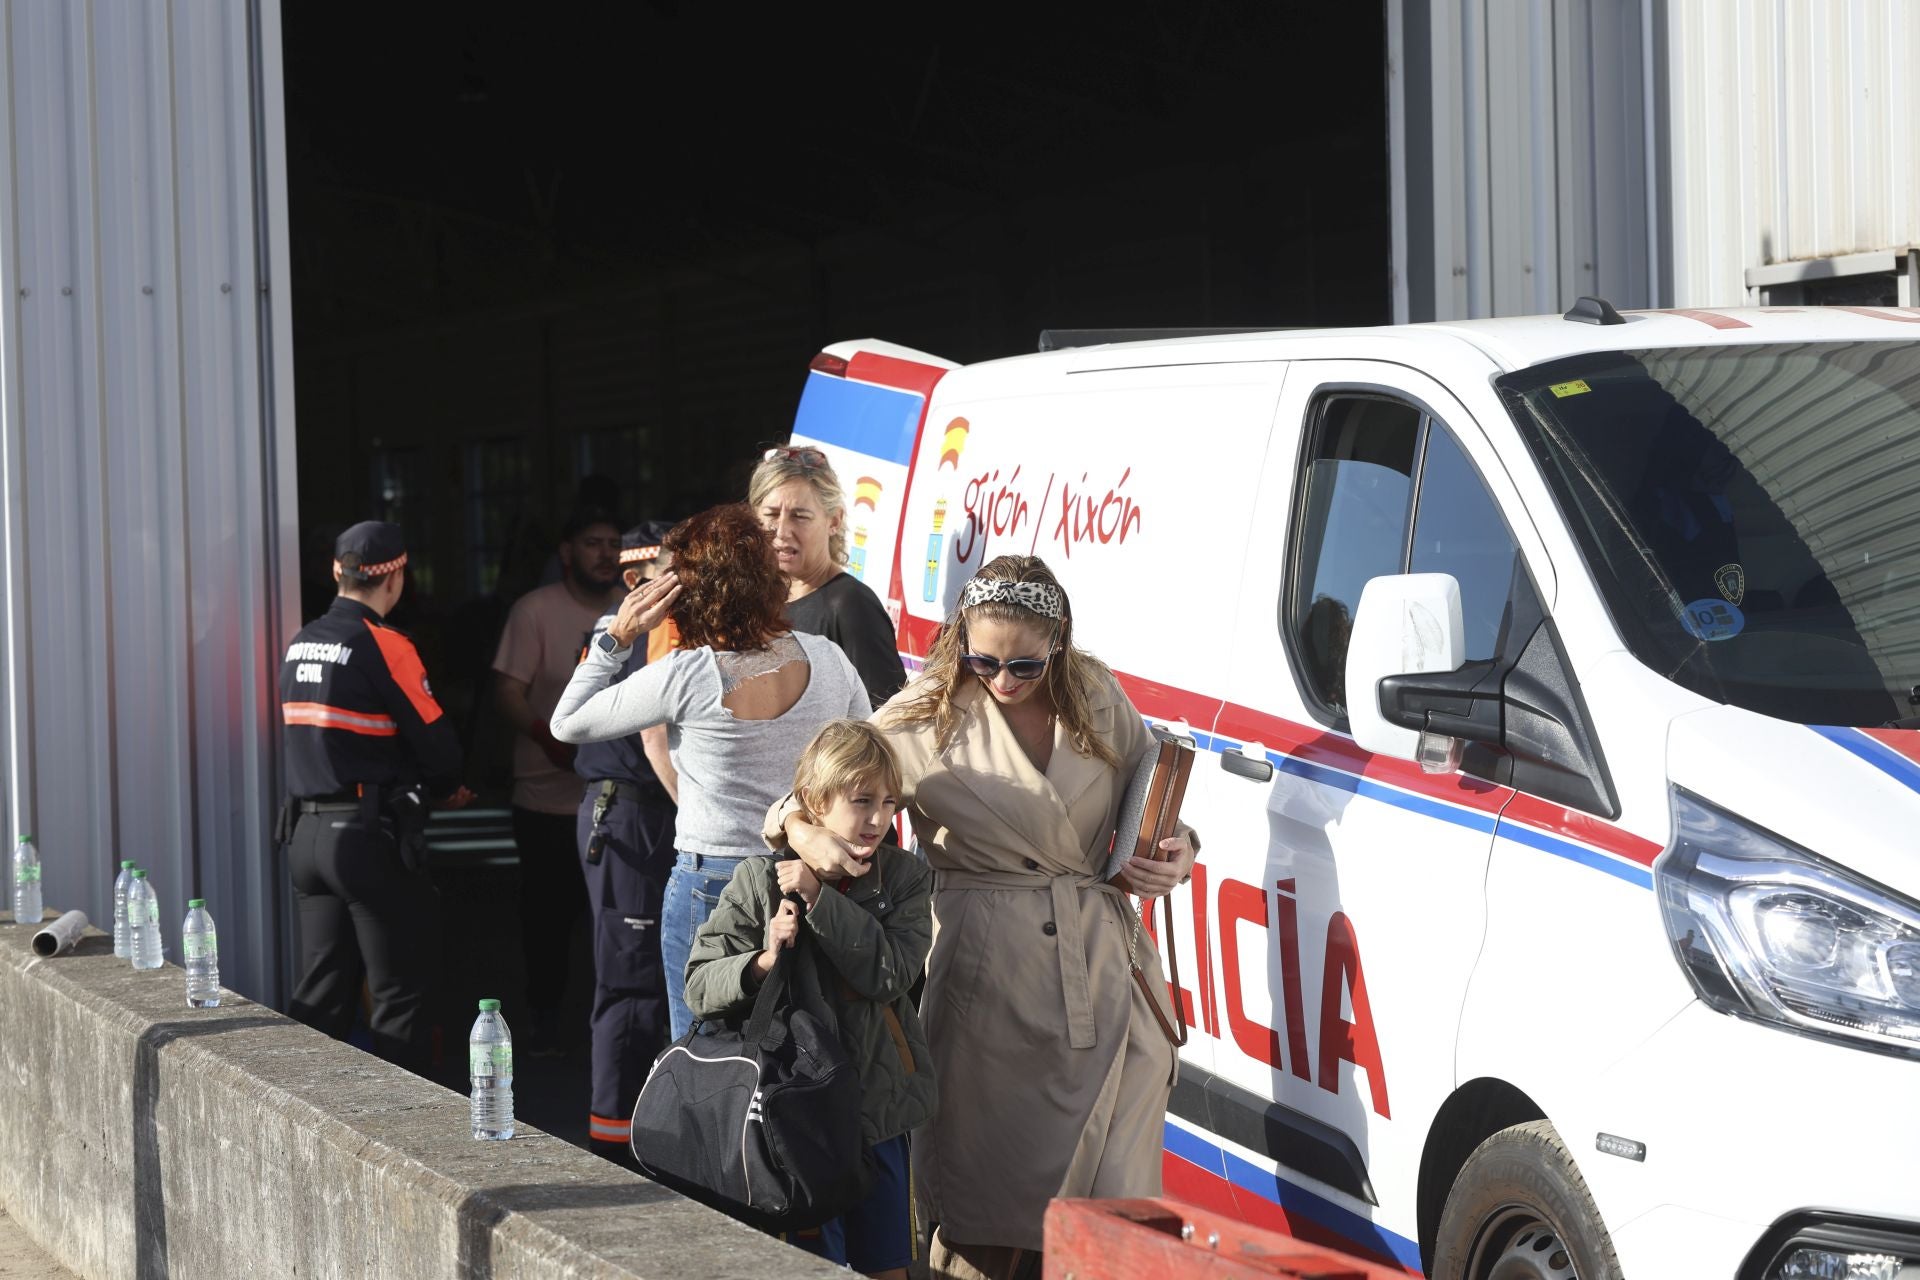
x=871 y=936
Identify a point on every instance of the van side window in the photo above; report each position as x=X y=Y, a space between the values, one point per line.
x=1457 y=529
x=1354 y=501
x=1373 y=464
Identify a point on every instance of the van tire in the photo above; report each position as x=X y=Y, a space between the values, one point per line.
x=1521 y=1211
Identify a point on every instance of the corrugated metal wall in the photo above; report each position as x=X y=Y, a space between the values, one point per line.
x=1519 y=152
x=146 y=452
x=1793 y=131
x=1650 y=151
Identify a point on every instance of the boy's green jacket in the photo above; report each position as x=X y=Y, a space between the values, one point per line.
x=873 y=939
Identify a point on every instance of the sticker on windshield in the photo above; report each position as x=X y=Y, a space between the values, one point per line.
x=1732 y=581
x=1561 y=390
x=1712 y=619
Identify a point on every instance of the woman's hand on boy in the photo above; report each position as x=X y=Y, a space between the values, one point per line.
x=796 y=877
x=782 y=931
x=824 y=853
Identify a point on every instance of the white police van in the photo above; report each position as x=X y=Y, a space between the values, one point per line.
x=1559 y=912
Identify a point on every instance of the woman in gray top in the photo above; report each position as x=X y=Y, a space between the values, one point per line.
x=741 y=697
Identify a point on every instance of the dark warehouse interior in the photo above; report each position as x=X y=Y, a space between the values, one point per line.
x=529 y=247
x=532 y=247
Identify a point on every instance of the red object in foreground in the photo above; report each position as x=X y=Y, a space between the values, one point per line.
x=1172 y=1240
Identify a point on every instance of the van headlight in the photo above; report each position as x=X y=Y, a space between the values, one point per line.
x=1767 y=930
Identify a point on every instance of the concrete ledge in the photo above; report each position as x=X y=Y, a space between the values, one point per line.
x=142 y=1138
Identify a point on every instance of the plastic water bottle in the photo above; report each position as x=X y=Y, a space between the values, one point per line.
x=122 y=935
x=490 y=1059
x=143 y=915
x=26 y=883
x=201 y=950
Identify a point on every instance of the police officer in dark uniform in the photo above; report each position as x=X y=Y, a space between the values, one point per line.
x=366 y=745
x=625 y=830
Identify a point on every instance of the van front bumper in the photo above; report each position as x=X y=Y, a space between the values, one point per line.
x=1749 y=1130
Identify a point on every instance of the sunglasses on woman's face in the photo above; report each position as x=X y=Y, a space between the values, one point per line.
x=805 y=455
x=1019 y=668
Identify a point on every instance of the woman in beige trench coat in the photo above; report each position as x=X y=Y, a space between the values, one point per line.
x=1054 y=1072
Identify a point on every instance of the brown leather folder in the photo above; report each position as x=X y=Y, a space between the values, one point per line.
x=1150 y=813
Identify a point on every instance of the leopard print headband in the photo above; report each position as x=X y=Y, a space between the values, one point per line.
x=1042 y=598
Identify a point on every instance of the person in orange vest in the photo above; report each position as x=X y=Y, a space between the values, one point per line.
x=367 y=748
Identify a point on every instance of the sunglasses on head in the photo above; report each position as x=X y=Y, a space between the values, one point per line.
x=1019 y=668
x=805 y=455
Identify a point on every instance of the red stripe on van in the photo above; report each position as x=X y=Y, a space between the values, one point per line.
x=891 y=371
x=1883 y=313
x=1712 y=319
x=1583 y=828
x=1319 y=745
x=1904 y=741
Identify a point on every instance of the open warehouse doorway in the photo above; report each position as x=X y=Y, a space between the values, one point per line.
x=531 y=249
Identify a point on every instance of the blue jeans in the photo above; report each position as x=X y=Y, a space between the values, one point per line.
x=693 y=890
x=876 y=1234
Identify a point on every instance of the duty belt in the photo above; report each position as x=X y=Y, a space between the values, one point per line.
x=614 y=787
x=609 y=790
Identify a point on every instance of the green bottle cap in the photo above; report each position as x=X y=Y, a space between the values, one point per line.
x=489 y=1006
x=138 y=874
x=128 y=865
x=195 y=902
x=26 y=839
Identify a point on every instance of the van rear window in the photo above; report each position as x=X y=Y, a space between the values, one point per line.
x=1751 y=514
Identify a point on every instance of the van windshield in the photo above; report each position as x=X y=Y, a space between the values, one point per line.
x=1751 y=514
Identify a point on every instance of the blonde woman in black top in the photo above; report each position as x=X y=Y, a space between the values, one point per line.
x=798 y=498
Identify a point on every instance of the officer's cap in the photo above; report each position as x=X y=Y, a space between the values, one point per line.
x=642 y=542
x=370 y=549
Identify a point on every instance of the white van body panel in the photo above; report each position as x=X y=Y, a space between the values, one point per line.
x=1360 y=943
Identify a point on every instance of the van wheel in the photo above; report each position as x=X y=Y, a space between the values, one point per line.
x=1521 y=1211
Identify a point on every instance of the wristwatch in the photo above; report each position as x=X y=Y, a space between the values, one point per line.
x=608 y=645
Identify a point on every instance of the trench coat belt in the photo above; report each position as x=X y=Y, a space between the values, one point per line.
x=1066 y=918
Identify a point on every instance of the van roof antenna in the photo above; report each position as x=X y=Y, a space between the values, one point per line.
x=1594 y=311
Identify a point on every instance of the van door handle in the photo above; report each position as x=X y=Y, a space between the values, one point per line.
x=1245 y=766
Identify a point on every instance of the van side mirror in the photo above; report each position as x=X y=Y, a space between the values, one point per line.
x=1410 y=696
x=1408 y=623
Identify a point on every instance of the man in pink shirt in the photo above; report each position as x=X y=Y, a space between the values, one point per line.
x=539 y=648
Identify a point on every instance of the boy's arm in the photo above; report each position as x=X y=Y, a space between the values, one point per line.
x=879 y=960
x=720 y=978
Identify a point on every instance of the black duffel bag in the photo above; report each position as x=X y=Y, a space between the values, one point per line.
x=760 y=1122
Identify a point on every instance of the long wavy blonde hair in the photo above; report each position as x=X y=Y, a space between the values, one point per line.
x=1074 y=677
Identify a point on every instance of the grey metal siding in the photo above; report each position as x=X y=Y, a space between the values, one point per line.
x=1522 y=145
x=1794 y=127
x=1650 y=151
x=146 y=454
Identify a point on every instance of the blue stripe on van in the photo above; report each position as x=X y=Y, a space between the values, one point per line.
x=1443 y=812
x=877 y=421
x=1247 y=1176
x=1877 y=754
x=1362 y=787
x=1586 y=857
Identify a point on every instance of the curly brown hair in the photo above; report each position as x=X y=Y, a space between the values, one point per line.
x=732 y=596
